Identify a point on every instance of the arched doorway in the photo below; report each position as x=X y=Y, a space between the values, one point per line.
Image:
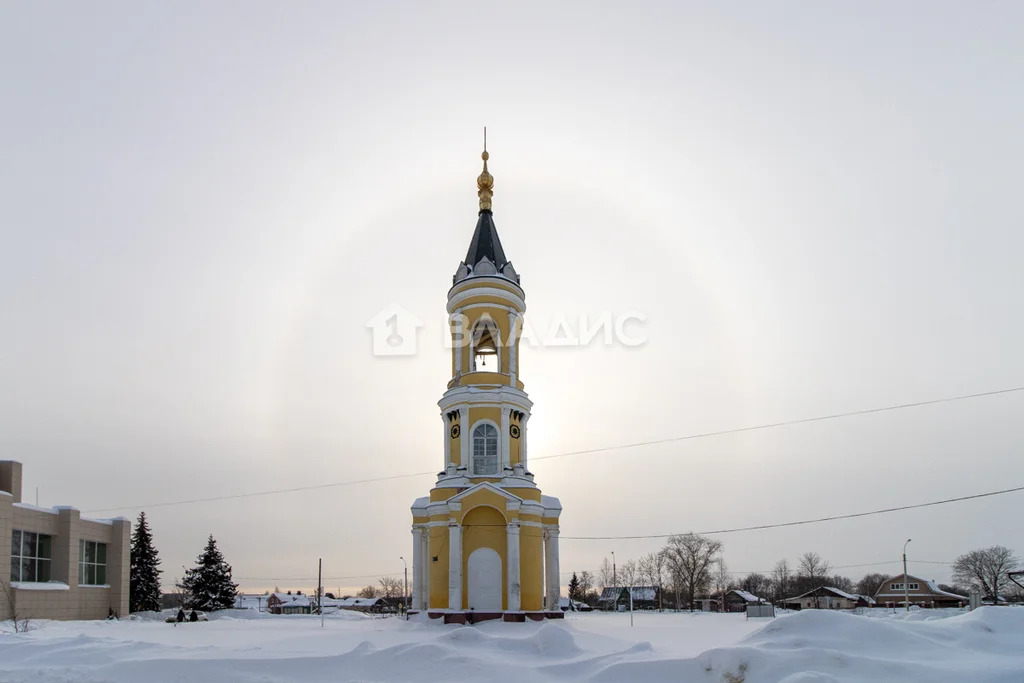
x=484 y=580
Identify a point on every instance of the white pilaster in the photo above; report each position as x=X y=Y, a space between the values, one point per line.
x=505 y=438
x=551 y=569
x=447 y=439
x=512 y=348
x=425 y=571
x=454 y=566
x=458 y=339
x=513 y=566
x=417 y=567
x=522 y=440
x=464 y=436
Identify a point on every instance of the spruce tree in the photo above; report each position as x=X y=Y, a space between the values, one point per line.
x=574 y=590
x=144 y=577
x=208 y=585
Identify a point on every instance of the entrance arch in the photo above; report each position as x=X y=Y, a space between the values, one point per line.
x=484 y=580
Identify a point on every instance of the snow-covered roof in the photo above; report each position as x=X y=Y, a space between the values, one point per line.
x=358 y=602
x=835 y=591
x=934 y=587
x=564 y=603
x=638 y=593
x=550 y=502
x=749 y=597
x=287 y=600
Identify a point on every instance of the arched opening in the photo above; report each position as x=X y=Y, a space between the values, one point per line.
x=485 y=449
x=486 y=343
x=483 y=580
x=484 y=546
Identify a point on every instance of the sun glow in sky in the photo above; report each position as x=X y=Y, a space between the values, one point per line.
x=813 y=207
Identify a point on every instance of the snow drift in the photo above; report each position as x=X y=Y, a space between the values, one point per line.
x=806 y=647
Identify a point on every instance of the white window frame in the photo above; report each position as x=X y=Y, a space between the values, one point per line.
x=99 y=568
x=37 y=559
x=472 y=449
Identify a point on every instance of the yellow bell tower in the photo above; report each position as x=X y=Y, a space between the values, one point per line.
x=485 y=541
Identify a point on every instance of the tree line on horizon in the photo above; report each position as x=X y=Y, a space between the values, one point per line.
x=691 y=567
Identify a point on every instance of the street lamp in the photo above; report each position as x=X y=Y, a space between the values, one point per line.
x=906 y=583
x=405 y=587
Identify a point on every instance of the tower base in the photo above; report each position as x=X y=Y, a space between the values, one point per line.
x=473 y=617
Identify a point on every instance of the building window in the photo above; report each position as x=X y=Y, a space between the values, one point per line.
x=485 y=449
x=899 y=586
x=30 y=556
x=92 y=563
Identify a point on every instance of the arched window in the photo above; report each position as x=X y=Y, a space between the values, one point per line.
x=485 y=450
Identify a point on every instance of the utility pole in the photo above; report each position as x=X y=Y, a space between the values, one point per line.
x=320 y=589
x=906 y=583
x=615 y=586
x=405 y=587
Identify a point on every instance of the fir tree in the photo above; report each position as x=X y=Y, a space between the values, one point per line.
x=574 y=590
x=144 y=577
x=208 y=585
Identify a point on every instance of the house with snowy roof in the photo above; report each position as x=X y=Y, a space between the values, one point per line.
x=921 y=592
x=371 y=605
x=644 y=597
x=828 y=597
x=737 y=600
x=286 y=603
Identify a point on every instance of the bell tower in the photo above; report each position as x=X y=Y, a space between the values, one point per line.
x=485 y=539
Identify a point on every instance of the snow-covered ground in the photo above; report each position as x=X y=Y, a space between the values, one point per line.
x=811 y=646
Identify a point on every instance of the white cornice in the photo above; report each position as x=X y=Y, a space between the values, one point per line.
x=500 y=394
x=455 y=298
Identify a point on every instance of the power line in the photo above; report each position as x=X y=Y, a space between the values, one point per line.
x=804 y=521
x=566 y=572
x=772 y=425
x=703 y=435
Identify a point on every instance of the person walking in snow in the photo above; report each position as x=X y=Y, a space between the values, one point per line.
x=181 y=614
x=193 y=616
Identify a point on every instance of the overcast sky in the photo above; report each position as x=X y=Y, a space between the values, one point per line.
x=815 y=206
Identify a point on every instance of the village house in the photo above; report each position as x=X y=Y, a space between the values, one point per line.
x=644 y=597
x=62 y=565
x=828 y=597
x=921 y=592
x=369 y=605
x=286 y=603
x=737 y=600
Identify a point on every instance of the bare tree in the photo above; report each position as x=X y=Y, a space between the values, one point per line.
x=782 y=577
x=986 y=570
x=370 y=591
x=870 y=583
x=843 y=583
x=586 y=587
x=689 y=558
x=652 y=569
x=629 y=576
x=390 y=588
x=756 y=583
x=813 y=571
x=9 y=598
x=605 y=574
x=722 y=579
